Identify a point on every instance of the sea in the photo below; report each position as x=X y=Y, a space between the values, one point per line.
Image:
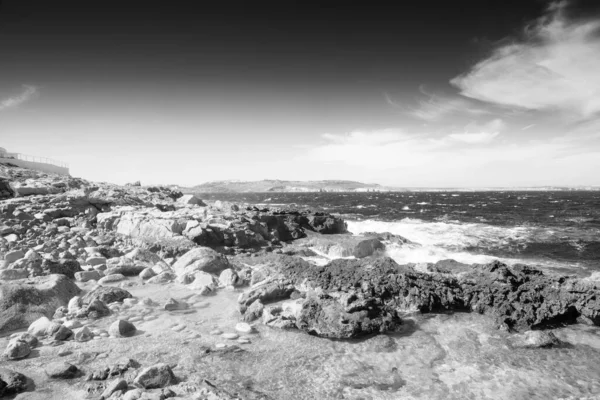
x=557 y=230
x=446 y=355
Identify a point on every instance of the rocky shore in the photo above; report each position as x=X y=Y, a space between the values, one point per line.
x=122 y=292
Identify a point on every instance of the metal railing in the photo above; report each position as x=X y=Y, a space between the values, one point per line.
x=26 y=157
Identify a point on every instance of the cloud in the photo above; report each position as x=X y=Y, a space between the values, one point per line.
x=554 y=67
x=483 y=134
x=27 y=94
x=459 y=159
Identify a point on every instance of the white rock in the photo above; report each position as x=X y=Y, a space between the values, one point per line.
x=39 y=326
x=230 y=336
x=244 y=327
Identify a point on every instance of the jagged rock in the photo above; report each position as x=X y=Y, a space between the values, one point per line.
x=267 y=293
x=17 y=349
x=63 y=333
x=83 y=335
x=61 y=370
x=66 y=267
x=24 y=301
x=117 y=384
x=15 y=382
x=85 y=276
x=122 y=328
x=28 y=338
x=191 y=199
x=254 y=311
x=106 y=294
x=157 y=376
x=535 y=339
x=200 y=259
x=518 y=297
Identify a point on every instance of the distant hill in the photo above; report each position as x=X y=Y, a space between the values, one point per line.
x=284 y=186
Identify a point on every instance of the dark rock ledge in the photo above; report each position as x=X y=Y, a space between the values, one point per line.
x=351 y=298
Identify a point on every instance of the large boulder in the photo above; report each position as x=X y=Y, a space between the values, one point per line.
x=201 y=259
x=24 y=301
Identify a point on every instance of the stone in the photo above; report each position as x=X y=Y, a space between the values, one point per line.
x=163 y=277
x=174 y=305
x=201 y=259
x=13 y=274
x=61 y=370
x=122 y=328
x=31 y=340
x=229 y=278
x=191 y=199
x=67 y=267
x=24 y=301
x=39 y=327
x=230 y=336
x=244 y=327
x=85 y=276
x=106 y=294
x=147 y=273
x=203 y=279
x=15 y=382
x=83 y=335
x=72 y=324
x=116 y=385
x=63 y=333
x=13 y=256
x=154 y=377
x=111 y=278
x=254 y=311
x=95 y=260
x=17 y=349
x=536 y=339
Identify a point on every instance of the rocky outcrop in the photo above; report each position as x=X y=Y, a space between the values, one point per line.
x=519 y=297
x=25 y=300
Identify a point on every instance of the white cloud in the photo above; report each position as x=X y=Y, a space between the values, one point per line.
x=555 y=67
x=28 y=93
x=475 y=134
x=459 y=159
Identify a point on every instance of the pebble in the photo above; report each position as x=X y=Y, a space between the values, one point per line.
x=244 y=327
x=178 y=328
x=220 y=345
x=216 y=332
x=230 y=336
x=243 y=340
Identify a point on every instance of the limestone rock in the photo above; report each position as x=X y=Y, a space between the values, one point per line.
x=61 y=370
x=17 y=349
x=24 y=301
x=122 y=328
x=200 y=259
x=157 y=376
x=15 y=382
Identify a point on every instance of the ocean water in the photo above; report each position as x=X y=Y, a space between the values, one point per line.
x=450 y=355
x=551 y=230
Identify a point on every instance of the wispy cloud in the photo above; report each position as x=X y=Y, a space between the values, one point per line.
x=553 y=67
x=28 y=93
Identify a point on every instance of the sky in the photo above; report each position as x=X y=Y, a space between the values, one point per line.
x=474 y=93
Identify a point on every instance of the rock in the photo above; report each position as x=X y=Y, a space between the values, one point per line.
x=13 y=274
x=147 y=273
x=17 y=349
x=111 y=278
x=536 y=339
x=244 y=327
x=203 y=280
x=254 y=311
x=85 y=276
x=191 y=199
x=117 y=384
x=31 y=340
x=63 y=333
x=39 y=327
x=83 y=335
x=266 y=293
x=61 y=370
x=157 y=376
x=13 y=256
x=122 y=328
x=173 y=305
x=229 y=278
x=24 y=301
x=163 y=277
x=200 y=259
x=106 y=294
x=230 y=336
x=95 y=260
x=15 y=382
x=72 y=324
x=74 y=304
x=64 y=266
